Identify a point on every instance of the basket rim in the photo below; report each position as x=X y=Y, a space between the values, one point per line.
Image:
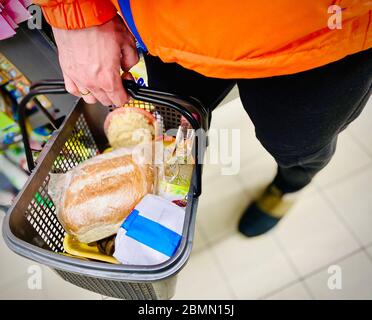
x=100 y=269
x=103 y=270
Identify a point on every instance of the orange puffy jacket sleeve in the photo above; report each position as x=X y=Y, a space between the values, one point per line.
x=77 y=14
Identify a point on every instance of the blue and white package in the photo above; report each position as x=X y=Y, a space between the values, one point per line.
x=151 y=233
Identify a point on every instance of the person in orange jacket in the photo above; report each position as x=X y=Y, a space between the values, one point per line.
x=303 y=70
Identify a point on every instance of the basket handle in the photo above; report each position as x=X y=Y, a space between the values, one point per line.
x=135 y=91
x=45 y=87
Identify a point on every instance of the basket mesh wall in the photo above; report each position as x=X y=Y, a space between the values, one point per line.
x=41 y=211
x=116 y=289
x=78 y=148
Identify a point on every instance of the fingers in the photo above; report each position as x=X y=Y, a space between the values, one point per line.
x=102 y=97
x=90 y=59
x=117 y=94
x=88 y=98
x=113 y=94
x=70 y=86
x=129 y=56
x=78 y=91
x=108 y=91
x=91 y=96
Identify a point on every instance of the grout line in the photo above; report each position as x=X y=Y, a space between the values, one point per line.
x=301 y=278
x=280 y=289
x=252 y=160
x=308 y=275
x=344 y=222
x=349 y=175
x=223 y=275
x=360 y=143
x=346 y=256
x=220 y=271
x=223 y=236
x=292 y=264
x=339 y=216
x=205 y=246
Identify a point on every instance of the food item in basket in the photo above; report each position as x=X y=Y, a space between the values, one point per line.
x=107 y=245
x=174 y=176
x=107 y=150
x=129 y=126
x=86 y=250
x=151 y=234
x=93 y=198
x=177 y=187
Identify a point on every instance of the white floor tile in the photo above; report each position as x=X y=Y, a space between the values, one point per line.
x=356 y=280
x=200 y=241
x=256 y=174
x=369 y=250
x=16 y=272
x=352 y=198
x=361 y=127
x=220 y=207
x=229 y=114
x=19 y=290
x=253 y=267
x=211 y=172
x=349 y=157
x=201 y=279
x=313 y=236
x=56 y=288
x=251 y=152
x=294 y=292
x=232 y=95
x=13 y=268
x=233 y=116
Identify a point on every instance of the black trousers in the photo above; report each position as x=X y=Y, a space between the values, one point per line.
x=297 y=117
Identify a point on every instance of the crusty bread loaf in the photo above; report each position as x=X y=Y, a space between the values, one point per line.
x=100 y=193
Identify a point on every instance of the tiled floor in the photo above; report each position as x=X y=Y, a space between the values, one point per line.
x=330 y=225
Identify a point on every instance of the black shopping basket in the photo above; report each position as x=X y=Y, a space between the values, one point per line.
x=31 y=228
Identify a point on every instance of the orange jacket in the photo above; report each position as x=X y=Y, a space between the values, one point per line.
x=231 y=39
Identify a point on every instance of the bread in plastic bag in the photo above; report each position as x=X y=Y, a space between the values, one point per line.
x=94 y=198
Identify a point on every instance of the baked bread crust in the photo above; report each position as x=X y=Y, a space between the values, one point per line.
x=101 y=192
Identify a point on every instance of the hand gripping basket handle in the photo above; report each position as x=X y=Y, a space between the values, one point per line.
x=135 y=91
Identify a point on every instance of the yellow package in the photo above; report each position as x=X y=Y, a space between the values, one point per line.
x=86 y=250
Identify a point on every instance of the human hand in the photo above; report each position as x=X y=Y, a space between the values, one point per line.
x=91 y=58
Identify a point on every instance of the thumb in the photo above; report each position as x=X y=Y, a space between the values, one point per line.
x=129 y=56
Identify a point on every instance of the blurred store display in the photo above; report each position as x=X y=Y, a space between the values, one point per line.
x=26 y=57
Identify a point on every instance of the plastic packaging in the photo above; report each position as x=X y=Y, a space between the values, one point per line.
x=151 y=234
x=96 y=196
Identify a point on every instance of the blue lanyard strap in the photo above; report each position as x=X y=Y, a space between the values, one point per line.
x=127 y=14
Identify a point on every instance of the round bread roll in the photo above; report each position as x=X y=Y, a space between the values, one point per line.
x=129 y=126
x=100 y=193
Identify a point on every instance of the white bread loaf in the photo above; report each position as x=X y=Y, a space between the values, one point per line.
x=95 y=197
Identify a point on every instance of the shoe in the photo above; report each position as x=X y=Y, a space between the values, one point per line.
x=265 y=212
